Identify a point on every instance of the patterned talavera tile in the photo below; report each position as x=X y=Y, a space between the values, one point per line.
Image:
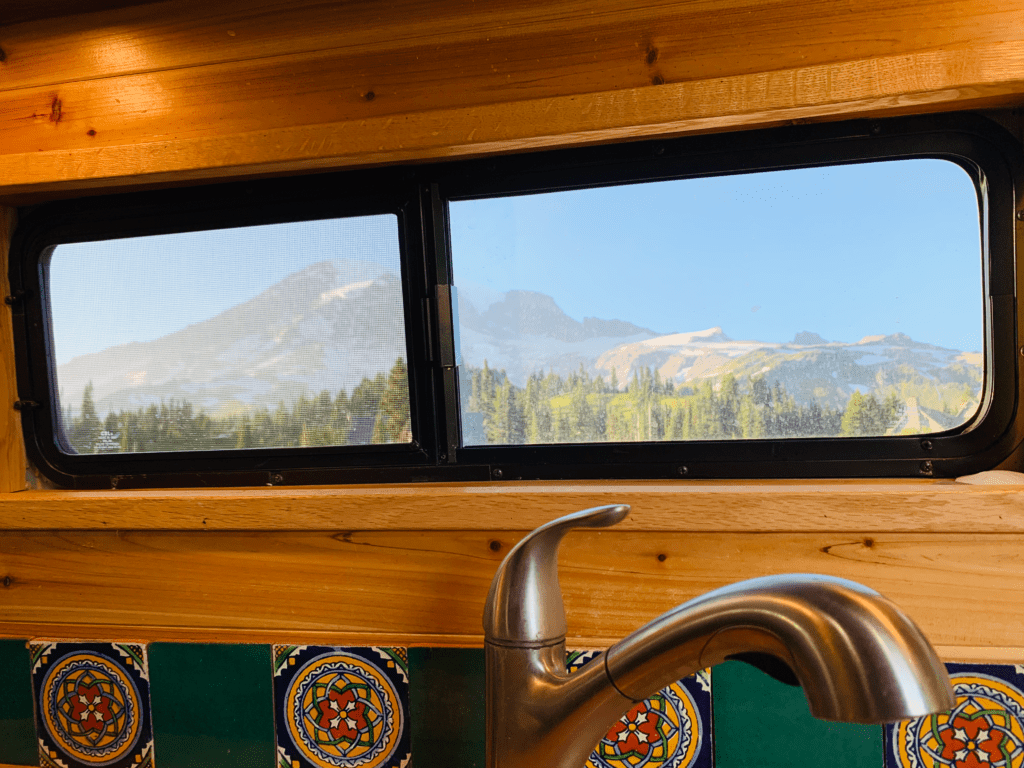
x=671 y=729
x=92 y=704
x=985 y=728
x=341 y=707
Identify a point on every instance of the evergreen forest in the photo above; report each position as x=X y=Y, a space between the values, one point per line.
x=551 y=408
x=582 y=409
x=376 y=411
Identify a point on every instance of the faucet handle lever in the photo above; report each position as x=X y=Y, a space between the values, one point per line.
x=524 y=606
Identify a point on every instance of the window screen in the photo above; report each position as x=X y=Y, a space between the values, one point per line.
x=838 y=301
x=273 y=336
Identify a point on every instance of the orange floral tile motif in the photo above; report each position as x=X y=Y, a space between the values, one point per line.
x=341 y=707
x=671 y=729
x=92 y=704
x=984 y=730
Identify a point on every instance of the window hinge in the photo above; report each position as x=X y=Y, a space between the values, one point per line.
x=14 y=298
x=26 y=405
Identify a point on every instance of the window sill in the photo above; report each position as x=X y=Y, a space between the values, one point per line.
x=699 y=506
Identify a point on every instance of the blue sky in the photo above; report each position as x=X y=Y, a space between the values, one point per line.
x=137 y=289
x=845 y=251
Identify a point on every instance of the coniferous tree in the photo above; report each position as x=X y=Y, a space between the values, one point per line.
x=85 y=430
x=393 y=419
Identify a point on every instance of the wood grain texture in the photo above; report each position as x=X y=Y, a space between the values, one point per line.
x=557 y=46
x=739 y=506
x=183 y=124
x=433 y=584
x=12 y=450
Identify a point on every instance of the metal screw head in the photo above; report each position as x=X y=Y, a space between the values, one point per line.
x=683 y=470
x=1020 y=215
x=927 y=445
x=496 y=474
x=926 y=467
x=277 y=478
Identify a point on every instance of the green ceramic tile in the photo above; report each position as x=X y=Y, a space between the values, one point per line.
x=761 y=723
x=17 y=726
x=213 y=705
x=447 y=703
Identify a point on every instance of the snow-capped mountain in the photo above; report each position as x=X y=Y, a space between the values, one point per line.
x=810 y=368
x=524 y=331
x=325 y=327
x=336 y=322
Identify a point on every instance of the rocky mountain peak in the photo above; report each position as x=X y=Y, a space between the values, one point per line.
x=808 y=338
x=529 y=313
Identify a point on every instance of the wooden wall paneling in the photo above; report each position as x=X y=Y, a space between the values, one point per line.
x=427 y=585
x=12 y=447
x=910 y=506
x=320 y=86
x=543 y=42
x=332 y=87
x=288 y=113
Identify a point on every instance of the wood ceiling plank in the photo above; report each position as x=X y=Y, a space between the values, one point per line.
x=981 y=76
x=665 y=38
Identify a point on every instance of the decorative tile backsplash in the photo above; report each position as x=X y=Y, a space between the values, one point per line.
x=185 y=705
x=985 y=728
x=341 y=707
x=92 y=704
x=671 y=729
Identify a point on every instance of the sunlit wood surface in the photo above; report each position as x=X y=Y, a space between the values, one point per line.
x=12 y=452
x=172 y=90
x=964 y=590
x=912 y=506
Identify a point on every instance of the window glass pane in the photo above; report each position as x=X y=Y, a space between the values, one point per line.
x=835 y=301
x=281 y=335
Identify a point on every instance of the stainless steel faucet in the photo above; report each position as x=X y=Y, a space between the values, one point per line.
x=857 y=656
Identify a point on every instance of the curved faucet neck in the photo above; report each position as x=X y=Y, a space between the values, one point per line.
x=857 y=656
x=524 y=606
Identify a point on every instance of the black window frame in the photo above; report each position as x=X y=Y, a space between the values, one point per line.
x=420 y=197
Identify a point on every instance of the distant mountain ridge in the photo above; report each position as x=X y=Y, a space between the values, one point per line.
x=810 y=368
x=336 y=322
x=529 y=313
x=325 y=327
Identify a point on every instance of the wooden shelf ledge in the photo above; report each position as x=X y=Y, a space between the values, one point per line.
x=701 y=506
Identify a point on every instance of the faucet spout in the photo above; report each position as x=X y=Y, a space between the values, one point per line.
x=857 y=656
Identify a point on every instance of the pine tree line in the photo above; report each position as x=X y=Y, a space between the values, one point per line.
x=582 y=409
x=576 y=408
x=377 y=411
